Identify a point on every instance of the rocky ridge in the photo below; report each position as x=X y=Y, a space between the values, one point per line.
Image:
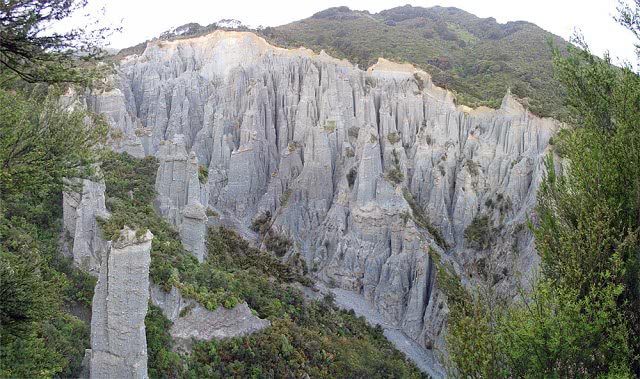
x=364 y=171
x=193 y=322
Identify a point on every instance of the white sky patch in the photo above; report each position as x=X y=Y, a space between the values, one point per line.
x=144 y=19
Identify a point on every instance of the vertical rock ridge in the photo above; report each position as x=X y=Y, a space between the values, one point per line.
x=81 y=211
x=118 y=341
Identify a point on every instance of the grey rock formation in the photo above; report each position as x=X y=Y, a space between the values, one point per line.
x=177 y=180
x=361 y=170
x=193 y=322
x=193 y=229
x=70 y=201
x=199 y=324
x=120 y=301
x=80 y=213
x=170 y=302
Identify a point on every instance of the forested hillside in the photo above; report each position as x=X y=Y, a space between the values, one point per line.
x=475 y=57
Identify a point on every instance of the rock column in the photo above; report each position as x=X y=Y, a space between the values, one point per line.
x=81 y=210
x=193 y=229
x=120 y=301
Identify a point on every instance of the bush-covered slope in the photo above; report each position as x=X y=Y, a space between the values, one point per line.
x=477 y=58
x=306 y=337
x=41 y=293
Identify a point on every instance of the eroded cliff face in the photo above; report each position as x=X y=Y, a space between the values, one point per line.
x=81 y=212
x=364 y=171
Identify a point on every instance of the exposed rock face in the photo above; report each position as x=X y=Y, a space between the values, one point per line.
x=170 y=302
x=193 y=229
x=191 y=321
x=199 y=324
x=120 y=301
x=180 y=195
x=336 y=155
x=177 y=180
x=80 y=211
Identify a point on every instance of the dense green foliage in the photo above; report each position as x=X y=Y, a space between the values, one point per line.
x=43 y=143
x=274 y=242
x=306 y=337
x=582 y=318
x=31 y=52
x=40 y=144
x=163 y=362
x=477 y=58
x=315 y=340
x=39 y=337
x=480 y=234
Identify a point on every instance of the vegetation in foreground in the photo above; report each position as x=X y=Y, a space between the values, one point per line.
x=40 y=144
x=582 y=318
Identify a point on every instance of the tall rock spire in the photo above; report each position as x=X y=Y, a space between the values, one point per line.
x=120 y=301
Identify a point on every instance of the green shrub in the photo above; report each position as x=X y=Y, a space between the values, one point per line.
x=351 y=176
x=203 y=174
x=350 y=152
x=261 y=223
x=395 y=175
x=473 y=167
x=277 y=243
x=393 y=138
x=284 y=199
x=162 y=361
x=330 y=126
x=480 y=234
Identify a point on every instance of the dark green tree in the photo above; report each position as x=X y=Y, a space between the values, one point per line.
x=42 y=141
x=31 y=51
x=582 y=318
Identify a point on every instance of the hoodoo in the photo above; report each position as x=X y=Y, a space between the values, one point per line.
x=364 y=171
x=120 y=302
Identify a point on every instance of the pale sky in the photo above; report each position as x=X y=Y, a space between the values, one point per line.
x=145 y=19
